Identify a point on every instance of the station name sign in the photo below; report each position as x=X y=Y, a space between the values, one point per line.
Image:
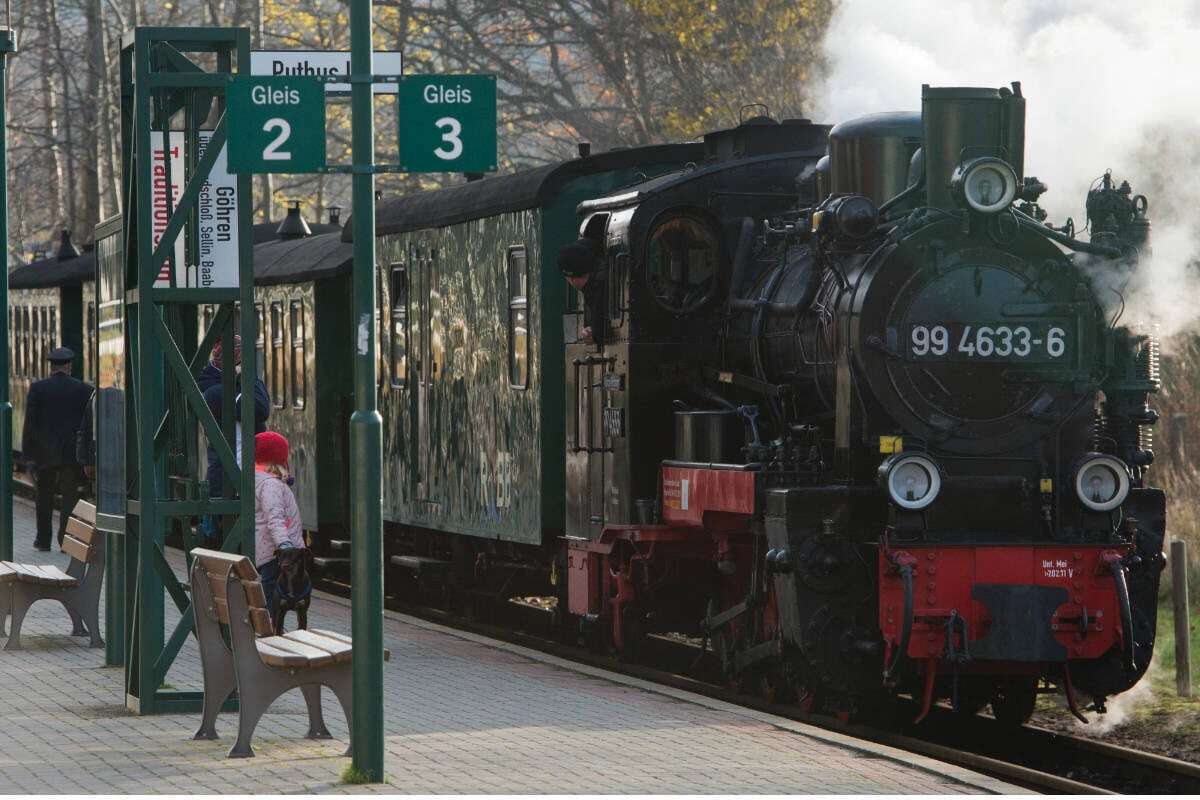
x=322 y=63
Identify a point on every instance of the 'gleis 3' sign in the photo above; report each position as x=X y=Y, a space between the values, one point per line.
x=448 y=123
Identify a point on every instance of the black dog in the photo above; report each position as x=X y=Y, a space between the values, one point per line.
x=294 y=589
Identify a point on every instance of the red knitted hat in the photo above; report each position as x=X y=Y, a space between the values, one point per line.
x=270 y=448
x=218 y=352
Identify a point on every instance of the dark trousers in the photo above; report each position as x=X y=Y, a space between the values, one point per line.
x=63 y=480
x=268 y=573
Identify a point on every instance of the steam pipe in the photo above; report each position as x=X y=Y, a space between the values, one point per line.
x=906 y=575
x=1118 y=572
x=1029 y=223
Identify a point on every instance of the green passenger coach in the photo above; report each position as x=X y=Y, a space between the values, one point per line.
x=472 y=305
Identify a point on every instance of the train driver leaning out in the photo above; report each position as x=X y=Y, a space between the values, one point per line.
x=582 y=264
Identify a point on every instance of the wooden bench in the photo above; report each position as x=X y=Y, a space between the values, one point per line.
x=261 y=666
x=78 y=589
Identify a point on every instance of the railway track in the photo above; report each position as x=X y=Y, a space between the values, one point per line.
x=1034 y=758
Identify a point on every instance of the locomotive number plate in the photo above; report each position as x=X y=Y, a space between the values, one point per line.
x=1045 y=341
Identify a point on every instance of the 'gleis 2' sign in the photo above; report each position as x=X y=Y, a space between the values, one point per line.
x=276 y=124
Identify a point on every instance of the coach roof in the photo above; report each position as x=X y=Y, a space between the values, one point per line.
x=516 y=192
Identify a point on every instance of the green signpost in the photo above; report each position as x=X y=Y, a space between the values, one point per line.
x=280 y=124
x=448 y=123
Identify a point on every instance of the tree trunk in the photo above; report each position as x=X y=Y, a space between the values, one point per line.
x=54 y=159
x=91 y=207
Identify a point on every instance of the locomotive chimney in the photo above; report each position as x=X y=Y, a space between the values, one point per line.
x=66 y=249
x=293 y=226
x=335 y=215
x=962 y=123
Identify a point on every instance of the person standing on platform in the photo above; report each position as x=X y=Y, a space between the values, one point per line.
x=211 y=384
x=54 y=413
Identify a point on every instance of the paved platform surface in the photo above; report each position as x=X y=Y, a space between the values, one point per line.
x=464 y=714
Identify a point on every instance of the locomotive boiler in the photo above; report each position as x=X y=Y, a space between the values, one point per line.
x=865 y=422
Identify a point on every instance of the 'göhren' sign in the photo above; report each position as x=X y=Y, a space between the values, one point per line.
x=276 y=124
x=448 y=123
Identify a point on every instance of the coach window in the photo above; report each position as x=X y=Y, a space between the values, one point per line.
x=39 y=340
x=681 y=264
x=277 y=374
x=518 y=318
x=260 y=341
x=208 y=318
x=398 y=333
x=53 y=329
x=24 y=343
x=299 y=362
x=90 y=355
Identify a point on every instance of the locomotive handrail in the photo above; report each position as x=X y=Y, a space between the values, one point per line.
x=589 y=362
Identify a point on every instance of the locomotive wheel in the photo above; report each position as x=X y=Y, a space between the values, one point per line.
x=1013 y=700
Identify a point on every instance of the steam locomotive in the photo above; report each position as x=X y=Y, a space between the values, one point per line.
x=878 y=430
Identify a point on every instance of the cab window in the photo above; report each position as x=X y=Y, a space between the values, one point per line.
x=682 y=259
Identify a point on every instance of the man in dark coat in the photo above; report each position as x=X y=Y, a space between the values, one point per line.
x=54 y=412
x=213 y=389
x=582 y=264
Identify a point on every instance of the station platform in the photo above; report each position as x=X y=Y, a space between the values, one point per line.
x=463 y=714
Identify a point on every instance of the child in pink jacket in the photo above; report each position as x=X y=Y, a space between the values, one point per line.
x=276 y=514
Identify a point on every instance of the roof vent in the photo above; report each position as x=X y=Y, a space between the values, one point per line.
x=293 y=225
x=335 y=215
x=66 y=250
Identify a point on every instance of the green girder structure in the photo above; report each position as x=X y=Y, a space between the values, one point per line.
x=175 y=78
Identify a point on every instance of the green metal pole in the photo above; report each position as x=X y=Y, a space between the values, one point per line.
x=366 y=428
x=8 y=44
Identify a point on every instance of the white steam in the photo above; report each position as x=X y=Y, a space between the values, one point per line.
x=1109 y=85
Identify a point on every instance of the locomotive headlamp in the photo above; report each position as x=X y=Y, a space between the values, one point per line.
x=913 y=481
x=986 y=185
x=1102 y=482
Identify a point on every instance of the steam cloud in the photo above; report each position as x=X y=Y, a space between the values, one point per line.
x=1109 y=86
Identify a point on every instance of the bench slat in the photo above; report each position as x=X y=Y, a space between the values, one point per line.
x=57 y=577
x=341 y=637
x=315 y=656
x=255 y=596
x=216 y=561
x=81 y=530
x=76 y=549
x=85 y=511
x=217 y=584
x=341 y=651
x=279 y=658
x=260 y=618
x=222 y=609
